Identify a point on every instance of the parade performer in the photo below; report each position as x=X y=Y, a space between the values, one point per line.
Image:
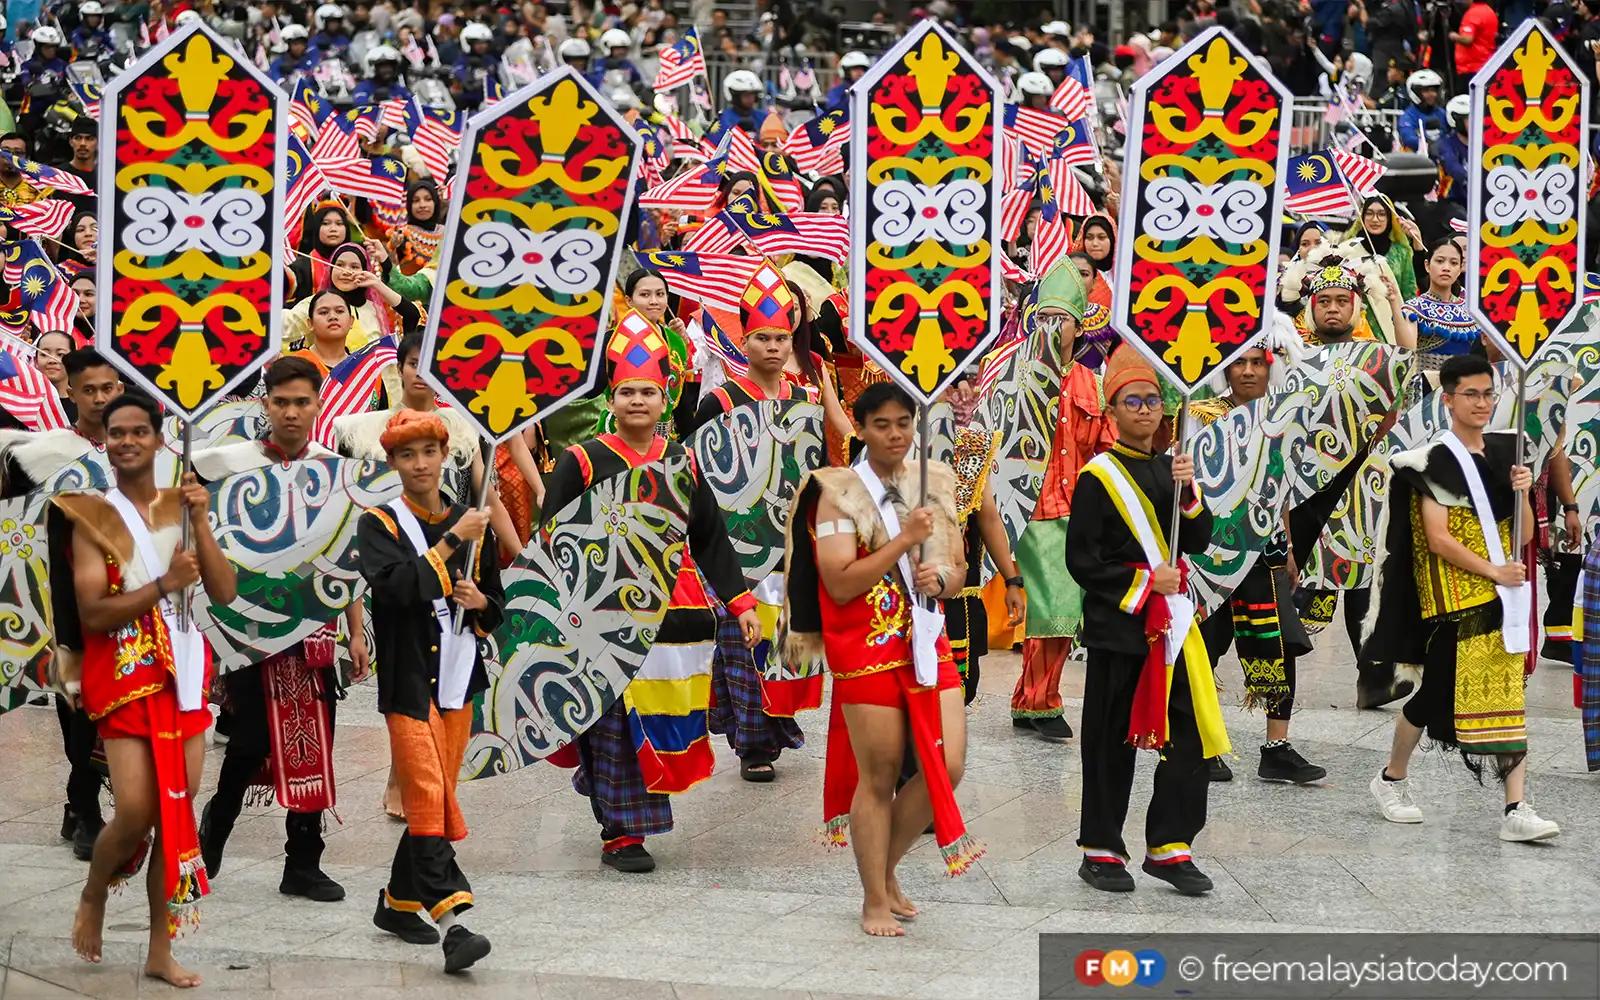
x=654 y=740
x=1148 y=683
x=1451 y=565
x=857 y=595
x=978 y=514
x=144 y=676
x=1444 y=326
x=1082 y=430
x=768 y=315
x=282 y=710
x=1559 y=545
x=1586 y=655
x=1260 y=620
x=414 y=557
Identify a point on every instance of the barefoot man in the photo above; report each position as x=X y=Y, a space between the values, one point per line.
x=866 y=570
x=144 y=676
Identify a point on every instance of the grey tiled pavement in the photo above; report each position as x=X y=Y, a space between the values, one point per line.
x=746 y=903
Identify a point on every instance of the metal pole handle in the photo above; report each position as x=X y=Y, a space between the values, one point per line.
x=1180 y=432
x=185 y=609
x=487 y=454
x=1520 y=415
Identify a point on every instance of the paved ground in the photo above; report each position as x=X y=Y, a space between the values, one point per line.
x=747 y=903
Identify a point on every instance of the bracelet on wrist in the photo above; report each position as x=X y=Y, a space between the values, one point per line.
x=452 y=539
x=1569 y=508
x=1015 y=581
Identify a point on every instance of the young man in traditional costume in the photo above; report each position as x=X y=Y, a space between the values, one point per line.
x=1451 y=564
x=30 y=458
x=863 y=564
x=741 y=697
x=419 y=557
x=145 y=670
x=1148 y=683
x=1260 y=620
x=653 y=741
x=283 y=709
x=1082 y=431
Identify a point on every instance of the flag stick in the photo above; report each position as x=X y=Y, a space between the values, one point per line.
x=1180 y=431
x=487 y=454
x=186 y=599
x=1519 y=414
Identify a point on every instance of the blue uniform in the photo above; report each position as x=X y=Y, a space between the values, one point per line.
x=87 y=42
x=329 y=43
x=597 y=72
x=838 y=97
x=1417 y=121
x=372 y=92
x=35 y=68
x=283 y=67
x=1452 y=156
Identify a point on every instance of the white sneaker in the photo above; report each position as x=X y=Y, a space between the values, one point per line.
x=1522 y=824
x=1394 y=799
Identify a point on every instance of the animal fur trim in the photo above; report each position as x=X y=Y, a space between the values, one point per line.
x=41 y=454
x=212 y=464
x=100 y=523
x=359 y=434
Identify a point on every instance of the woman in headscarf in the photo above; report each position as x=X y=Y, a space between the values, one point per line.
x=1394 y=241
x=1097 y=240
x=1095 y=336
x=377 y=310
x=1307 y=237
x=414 y=244
x=326 y=227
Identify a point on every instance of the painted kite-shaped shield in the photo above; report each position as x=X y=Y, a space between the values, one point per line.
x=1206 y=159
x=1022 y=407
x=25 y=627
x=530 y=252
x=191 y=220
x=582 y=609
x=1525 y=192
x=925 y=211
x=289 y=532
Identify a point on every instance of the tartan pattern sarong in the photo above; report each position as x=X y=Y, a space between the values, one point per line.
x=616 y=788
x=1587 y=681
x=736 y=709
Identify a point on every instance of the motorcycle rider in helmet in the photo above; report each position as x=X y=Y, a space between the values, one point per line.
x=43 y=78
x=741 y=95
x=1424 y=120
x=333 y=39
x=614 y=48
x=90 y=39
x=851 y=65
x=296 y=57
x=1034 y=90
x=574 y=52
x=477 y=64
x=1451 y=152
x=1053 y=64
x=383 y=81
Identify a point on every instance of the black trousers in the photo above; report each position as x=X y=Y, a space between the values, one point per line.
x=249 y=744
x=83 y=781
x=425 y=876
x=1177 y=809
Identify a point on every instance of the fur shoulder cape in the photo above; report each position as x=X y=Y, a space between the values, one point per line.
x=358 y=434
x=213 y=464
x=93 y=515
x=42 y=453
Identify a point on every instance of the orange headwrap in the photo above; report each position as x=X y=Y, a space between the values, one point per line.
x=407 y=426
x=1126 y=367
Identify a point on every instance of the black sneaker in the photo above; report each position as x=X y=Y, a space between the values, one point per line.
x=1284 y=763
x=462 y=948
x=1182 y=876
x=1052 y=728
x=1217 y=769
x=408 y=927
x=83 y=837
x=314 y=885
x=1107 y=876
x=210 y=843
x=69 y=822
x=633 y=859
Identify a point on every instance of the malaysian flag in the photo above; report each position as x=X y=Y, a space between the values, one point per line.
x=27 y=395
x=691 y=192
x=1014 y=210
x=380 y=178
x=685 y=144
x=493 y=91
x=994 y=364
x=681 y=61
x=1072 y=98
x=1362 y=173
x=307 y=109
x=43 y=176
x=337 y=141
x=733 y=359
x=351 y=386
x=41 y=288
x=714 y=280
x=1010 y=271
x=88 y=95
x=1037 y=129
x=719 y=234
x=303 y=180
x=1591 y=286
x=657 y=154
x=437 y=135
x=781 y=182
x=818 y=145
x=740 y=151
x=810 y=233
x=1076 y=144
x=1321 y=183
x=399 y=114
x=45 y=217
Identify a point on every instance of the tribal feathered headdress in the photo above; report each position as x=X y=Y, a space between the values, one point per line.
x=1331 y=265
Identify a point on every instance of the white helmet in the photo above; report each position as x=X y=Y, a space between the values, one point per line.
x=476 y=32
x=1035 y=83
x=1458 y=110
x=622 y=98
x=741 y=81
x=382 y=53
x=46 y=35
x=854 y=60
x=1420 y=79
x=616 y=38
x=90 y=7
x=1049 y=57
x=329 y=12
x=1058 y=28
x=574 y=48
x=186 y=17
x=293 y=33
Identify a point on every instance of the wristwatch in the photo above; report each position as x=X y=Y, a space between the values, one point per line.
x=452 y=539
x=1015 y=581
x=1569 y=508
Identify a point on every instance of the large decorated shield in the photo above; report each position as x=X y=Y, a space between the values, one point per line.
x=530 y=252
x=289 y=532
x=925 y=211
x=25 y=627
x=1525 y=192
x=191 y=220
x=582 y=610
x=1207 y=151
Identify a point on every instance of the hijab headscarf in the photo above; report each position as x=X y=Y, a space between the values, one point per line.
x=1380 y=242
x=388 y=322
x=1099 y=222
x=318 y=252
